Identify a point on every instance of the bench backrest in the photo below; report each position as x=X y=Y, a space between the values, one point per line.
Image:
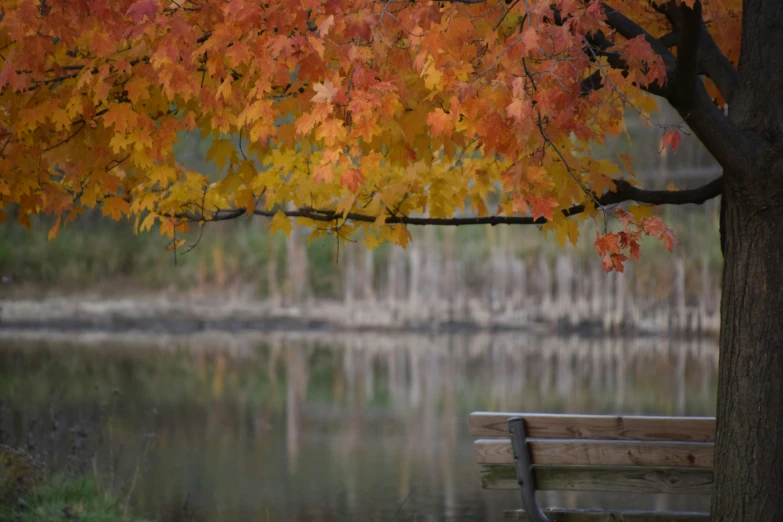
x=600 y=452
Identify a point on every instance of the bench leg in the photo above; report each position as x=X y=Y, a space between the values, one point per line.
x=516 y=427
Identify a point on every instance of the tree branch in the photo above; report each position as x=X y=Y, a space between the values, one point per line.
x=711 y=60
x=629 y=29
x=625 y=192
x=669 y=39
x=714 y=64
x=687 y=73
x=686 y=92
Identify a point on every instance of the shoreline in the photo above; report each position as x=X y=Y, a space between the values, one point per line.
x=186 y=315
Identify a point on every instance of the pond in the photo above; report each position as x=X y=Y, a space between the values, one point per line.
x=323 y=426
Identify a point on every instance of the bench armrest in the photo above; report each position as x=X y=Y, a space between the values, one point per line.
x=523 y=465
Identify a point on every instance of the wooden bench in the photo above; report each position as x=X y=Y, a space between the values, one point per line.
x=595 y=453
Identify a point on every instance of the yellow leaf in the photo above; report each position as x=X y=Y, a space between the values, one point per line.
x=175 y=245
x=372 y=241
x=246 y=199
x=431 y=74
x=148 y=222
x=402 y=235
x=280 y=223
x=346 y=204
x=609 y=168
x=163 y=174
x=640 y=212
x=60 y=119
x=567 y=229
x=221 y=152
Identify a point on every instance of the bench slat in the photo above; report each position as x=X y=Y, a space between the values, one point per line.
x=687 y=481
x=589 y=515
x=600 y=427
x=600 y=453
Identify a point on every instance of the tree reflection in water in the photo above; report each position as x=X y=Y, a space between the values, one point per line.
x=334 y=427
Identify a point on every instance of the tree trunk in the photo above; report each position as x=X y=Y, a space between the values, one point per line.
x=749 y=450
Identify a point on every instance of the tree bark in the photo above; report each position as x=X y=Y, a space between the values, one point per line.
x=749 y=449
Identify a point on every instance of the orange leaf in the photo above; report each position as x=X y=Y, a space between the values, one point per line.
x=55 y=228
x=121 y=116
x=440 y=123
x=530 y=39
x=331 y=131
x=519 y=110
x=115 y=207
x=323 y=174
x=608 y=243
x=352 y=178
x=625 y=158
x=323 y=27
x=167 y=227
x=542 y=206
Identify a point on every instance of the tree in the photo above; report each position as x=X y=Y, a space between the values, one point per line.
x=372 y=116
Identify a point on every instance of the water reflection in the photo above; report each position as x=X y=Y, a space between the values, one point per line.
x=323 y=427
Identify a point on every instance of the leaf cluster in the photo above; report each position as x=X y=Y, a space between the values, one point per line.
x=345 y=115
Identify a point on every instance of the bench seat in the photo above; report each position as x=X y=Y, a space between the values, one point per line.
x=595 y=453
x=595 y=515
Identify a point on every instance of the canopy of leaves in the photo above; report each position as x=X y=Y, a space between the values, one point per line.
x=344 y=114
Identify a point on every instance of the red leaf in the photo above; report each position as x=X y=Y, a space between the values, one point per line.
x=625 y=217
x=8 y=76
x=611 y=262
x=141 y=9
x=654 y=226
x=359 y=25
x=671 y=139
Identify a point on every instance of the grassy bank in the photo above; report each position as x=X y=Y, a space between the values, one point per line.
x=63 y=499
x=29 y=494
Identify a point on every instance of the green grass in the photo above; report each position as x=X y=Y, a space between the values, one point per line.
x=63 y=499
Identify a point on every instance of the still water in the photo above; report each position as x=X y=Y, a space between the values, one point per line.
x=323 y=427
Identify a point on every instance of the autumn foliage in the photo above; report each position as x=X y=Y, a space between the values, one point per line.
x=345 y=115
